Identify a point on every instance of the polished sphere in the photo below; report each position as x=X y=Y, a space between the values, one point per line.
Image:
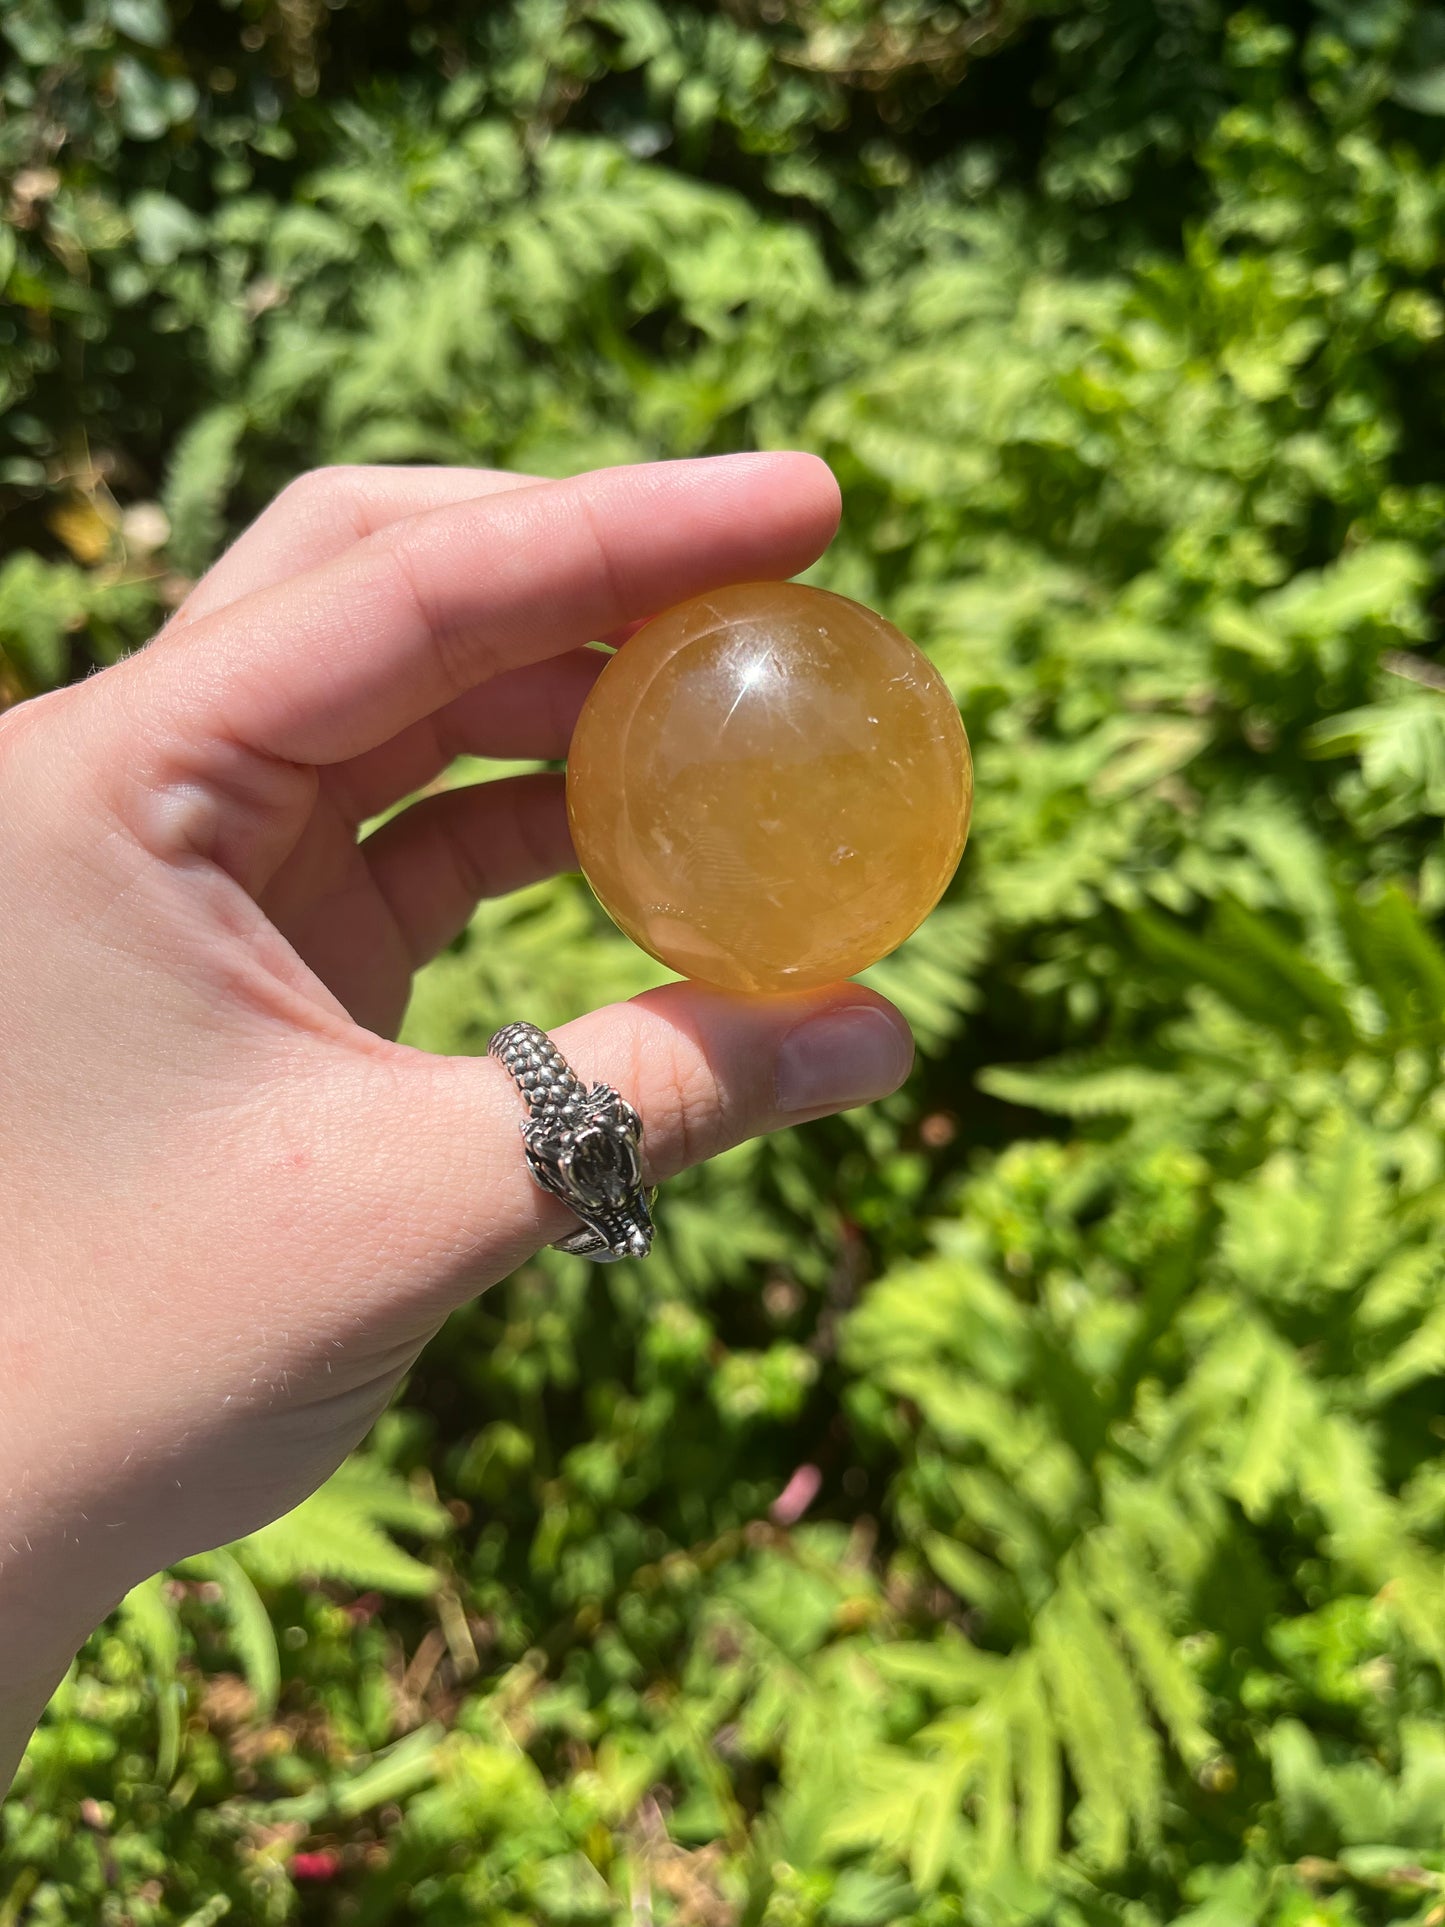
x=769 y=787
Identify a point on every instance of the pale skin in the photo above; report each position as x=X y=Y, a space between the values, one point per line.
x=235 y=1208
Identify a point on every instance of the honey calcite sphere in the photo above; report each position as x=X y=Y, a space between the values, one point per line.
x=769 y=787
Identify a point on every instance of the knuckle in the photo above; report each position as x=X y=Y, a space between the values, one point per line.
x=17 y=757
x=60 y=762
x=681 y=1097
x=29 y=730
x=468 y=860
x=333 y=491
x=538 y=823
x=16 y=725
x=619 y=601
x=449 y=646
x=314 y=482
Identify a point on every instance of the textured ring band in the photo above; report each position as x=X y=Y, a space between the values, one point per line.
x=584 y=1146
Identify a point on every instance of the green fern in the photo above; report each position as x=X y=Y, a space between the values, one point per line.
x=252 y=1635
x=958 y=1520
x=202 y=470
x=343 y=1532
x=146 y=1615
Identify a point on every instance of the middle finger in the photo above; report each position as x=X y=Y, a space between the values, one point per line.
x=523 y=715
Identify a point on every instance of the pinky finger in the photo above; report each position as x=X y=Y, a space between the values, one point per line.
x=435 y=861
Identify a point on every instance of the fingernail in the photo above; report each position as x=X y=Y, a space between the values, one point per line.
x=844 y=1057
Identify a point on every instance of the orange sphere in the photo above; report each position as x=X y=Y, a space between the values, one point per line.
x=769 y=787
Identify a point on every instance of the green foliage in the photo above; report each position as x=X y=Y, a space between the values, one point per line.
x=198 y=479
x=340 y=1533
x=1020 y=1502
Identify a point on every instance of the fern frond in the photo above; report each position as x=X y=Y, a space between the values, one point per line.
x=252 y=1634
x=1421 y=1356
x=203 y=467
x=1086 y=1087
x=1252 y=968
x=1398 y=960
x=149 y=1617
x=1120 y=1581
x=341 y=1532
x=1101 y=1723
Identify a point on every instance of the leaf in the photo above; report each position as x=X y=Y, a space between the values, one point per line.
x=908 y=1803
x=864 y=1898
x=165 y=228
x=210 y=1912
x=1254 y=969
x=340 y=1532
x=1040 y=1776
x=1294 y=979
x=1278 y=1410
x=936 y=1825
x=411 y=1763
x=1156 y=750
x=1087 y=1087
x=1422 y=92
x=202 y=470
x=151 y=103
x=964 y=1570
x=142 y=20
x=1400 y=744
x=952 y=1671
x=1398 y=959
x=252 y=1634
x=1100 y=1721
x=1235 y=1897
x=1377 y=582
x=40 y=604
x=147 y=1614
x=85 y=531
x=1421 y=1356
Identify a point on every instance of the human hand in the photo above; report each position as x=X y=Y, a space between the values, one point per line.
x=235 y=1209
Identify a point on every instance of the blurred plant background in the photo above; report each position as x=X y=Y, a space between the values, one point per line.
x=1021 y=1502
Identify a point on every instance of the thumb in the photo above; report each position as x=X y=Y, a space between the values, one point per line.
x=703 y=1070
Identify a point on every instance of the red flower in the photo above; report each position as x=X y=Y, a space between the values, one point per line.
x=323 y=1864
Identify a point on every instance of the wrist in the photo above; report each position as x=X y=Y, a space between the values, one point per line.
x=30 y=1676
x=54 y=1592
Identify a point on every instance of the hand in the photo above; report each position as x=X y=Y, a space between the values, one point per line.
x=235 y=1210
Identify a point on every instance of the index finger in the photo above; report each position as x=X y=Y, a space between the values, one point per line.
x=333 y=662
x=325 y=512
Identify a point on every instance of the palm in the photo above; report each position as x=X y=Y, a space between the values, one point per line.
x=365 y=912
x=382 y=650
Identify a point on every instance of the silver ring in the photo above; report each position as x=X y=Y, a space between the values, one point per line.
x=584 y=1146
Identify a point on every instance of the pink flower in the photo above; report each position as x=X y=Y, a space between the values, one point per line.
x=323 y=1864
x=796 y=1496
